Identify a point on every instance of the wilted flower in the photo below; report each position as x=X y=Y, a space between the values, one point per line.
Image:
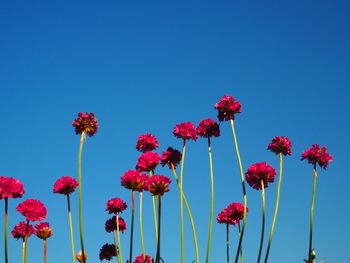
x=134 y=180
x=146 y=142
x=170 y=157
x=280 y=144
x=208 y=128
x=86 y=122
x=158 y=184
x=65 y=185
x=260 y=172
x=316 y=154
x=33 y=210
x=143 y=259
x=20 y=230
x=107 y=252
x=115 y=205
x=147 y=161
x=111 y=224
x=79 y=256
x=43 y=230
x=10 y=188
x=227 y=108
x=185 y=131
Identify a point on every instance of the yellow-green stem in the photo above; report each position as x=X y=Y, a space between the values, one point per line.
x=312 y=213
x=132 y=224
x=71 y=229
x=141 y=229
x=154 y=213
x=25 y=243
x=23 y=249
x=239 y=234
x=119 y=248
x=45 y=250
x=6 y=229
x=181 y=204
x=116 y=245
x=263 y=218
x=158 y=239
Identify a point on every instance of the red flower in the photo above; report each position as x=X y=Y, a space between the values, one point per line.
x=280 y=144
x=208 y=128
x=146 y=142
x=33 y=210
x=170 y=157
x=315 y=154
x=43 y=230
x=107 y=252
x=147 y=161
x=139 y=259
x=134 y=180
x=10 y=188
x=20 y=230
x=232 y=214
x=111 y=224
x=86 y=122
x=224 y=217
x=185 y=130
x=115 y=205
x=227 y=108
x=158 y=184
x=65 y=185
x=260 y=172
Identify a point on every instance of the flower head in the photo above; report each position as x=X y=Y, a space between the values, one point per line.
x=185 y=131
x=115 y=206
x=232 y=214
x=79 y=256
x=86 y=122
x=32 y=209
x=111 y=224
x=260 y=172
x=134 y=180
x=147 y=162
x=227 y=107
x=43 y=230
x=146 y=143
x=158 y=184
x=317 y=154
x=107 y=252
x=143 y=259
x=171 y=157
x=208 y=128
x=280 y=144
x=224 y=217
x=65 y=185
x=10 y=188
x=20 y=230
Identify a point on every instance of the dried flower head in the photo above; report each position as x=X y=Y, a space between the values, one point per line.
x=227 y=107
x=158 y=184
x=185 y=131
x=86 y=122
x=280 y=144
x=65 y=185
x=171 y=157
x=146 y=143
x=260 y=172
x=43 y=230
x=107 y=252
x=143 y=259
x=32 y=209
x=115 y=206
x=79 y=256
x=147 y=162
x=317 y=154
x=21 y=231
x=111 y=224
x=208 y=128
x=134 y=180
x=10 y=188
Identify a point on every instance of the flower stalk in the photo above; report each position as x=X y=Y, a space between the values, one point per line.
x=71 y=229
x=119 y=248
x=6 y=230
x=181 y=204
x=227 y=244
x=45 y=250
x=158 y=239
x=141 y=226
x=154 y=212
x=132 y=224
x=263 y=219
x=312 y=213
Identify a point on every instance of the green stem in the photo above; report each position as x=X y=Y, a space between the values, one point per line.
x=71 y=229
x=115 y=244
x=141 y=227
x=227 y=244
x=181 y=204
x=154 y=213
x=23 y=250
x=276 y=209
x=239 y=234
x=243 y=188
x=132 y=224
x=158 y=239
x=263 y=218
x=45 y=250
x=312 y=213
x=119 y=247
x=26 y=243
x=6 y=229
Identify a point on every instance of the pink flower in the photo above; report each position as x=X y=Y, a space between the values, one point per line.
x=227 y=108
x=111 y=224
x=147 y=162
x=107 y=252
x=115 y=206
x=224 y=217
x=139 y=259
x=315 y=154
x=33 y=210
x=158 y=184
x=10 y=188
x=146 y=142
x=86 y=122
x=20 y=230
x=280 y=144
x=232 y=214
x=43 y=230
x=170 y=157
x=134 y=180
x=260 y=172
x=65 y=185
x=185 y=131
x=208 y=128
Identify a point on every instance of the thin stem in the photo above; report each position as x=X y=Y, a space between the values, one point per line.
x=181 y=204
x=243 y=188
x=132 y=223
x=80 y=199
x=6 y=229
x=159 y=216
x=227 y=244
x=239 y=234
x=141 y=227
x=23 y=250
x=119 y=248
x=115 y=244
x=45 y=250
x=276 y=209
x=312 y=213
x=263 y=218
x=154 y=212
x=26 y=243
x=71 y=229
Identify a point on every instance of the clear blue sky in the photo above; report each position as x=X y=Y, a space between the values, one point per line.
x=143 y=66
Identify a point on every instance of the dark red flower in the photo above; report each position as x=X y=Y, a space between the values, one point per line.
x=158 y=184
x=65 y=185
x=170 y=157
x=147 y=162
x=33 y=210
x=185 y=130
x=111 y=224
x=134 y=180
x=260 y=172
x=10 y=188
x=280 y=144
x=43 y=230
x=107 y=252
x=115 y=205
x=227 y=107
x=208 y=128
x=224 y=217
x=146 y=142
x=236 y=212
x=316 y=154
x=143 y=259
x=86 y=122
x=20 y=230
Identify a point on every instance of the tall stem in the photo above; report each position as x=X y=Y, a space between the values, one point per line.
x=227 y=244
x=276 y=209
x=25 y=243
x=141 y=228
x=239 y=234
x=71 y=229
x=181 y=204
x=154 y=212
x=243 y=188
x=312 y=213
x=263 y=218
x=119 y=248
x=23 y=250
x=45 y=250
x=158 y=239
x=115 y=244
x=132 y=223
x=6 y=229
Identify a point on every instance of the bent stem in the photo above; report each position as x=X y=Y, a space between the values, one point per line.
x=227 y=244
x=6 y=229
x=158 y=239
x=119 y=247
x=141 y=228
x=45 y=250
x=263 y=218
x=80 y=199
x=71 y=229
x=132 y=223
x=154 y=212
x=312 y=213
x=181 y=204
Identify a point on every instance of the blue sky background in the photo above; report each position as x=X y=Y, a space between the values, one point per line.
x=144 y=66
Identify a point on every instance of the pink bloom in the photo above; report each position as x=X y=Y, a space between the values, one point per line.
x=139 y=259
x=208 y=128
x=10 y=188
x=170 y=157
x=33 y=210
x=86 y=122
x=146 y=142
x=158 y=184
x=20 y=230
x=43 y=230
x=260 y=172
x=224 y=217
x=280 y=144
x=65 y=185
x=107 y=252
x=134 y=180
x=236 y=212
x=147 y=162
x=315 y=154
x=111 y=224
x=185 y=131
x=115 y=205
x=227 y=107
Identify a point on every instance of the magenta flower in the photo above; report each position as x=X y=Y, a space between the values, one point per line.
x=185 y=131
x=111 y=224
x=280 y=144
x=33 y=210
x=134 y=180
x=227 y=107
x=86 y=122
x=65 y=185
x=147 y=162
x=236 y=211
x=224 y=217
x=315 y=154
x=208 y=128
x=146 y=143
x=260 y=172
x=107 y=252
x=10 y=188
x=170 y=157
x=143 y=259
x=158 y=184
x=115 y=206
x=20 y=230
x=43 y=230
